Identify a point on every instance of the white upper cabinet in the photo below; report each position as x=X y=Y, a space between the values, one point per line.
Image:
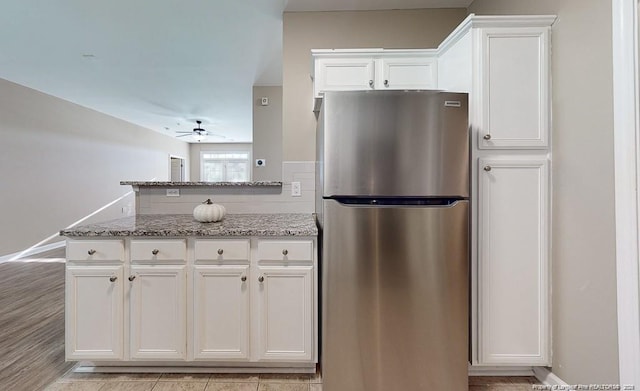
x=513 y=88
x=399 y=73
x=344 y=74
x=373 y=69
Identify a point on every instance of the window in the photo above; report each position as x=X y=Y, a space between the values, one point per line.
x=227 y=166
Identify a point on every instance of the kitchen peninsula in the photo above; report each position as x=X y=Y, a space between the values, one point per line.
x=157 y=291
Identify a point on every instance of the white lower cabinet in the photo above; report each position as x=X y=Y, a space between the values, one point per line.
x=285 y=312
x=94 y=312
x=513 y=261
x=220 y=301
x=221 y=312
x=157 y=310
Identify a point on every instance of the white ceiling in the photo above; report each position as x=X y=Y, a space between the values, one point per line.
x=161 y=64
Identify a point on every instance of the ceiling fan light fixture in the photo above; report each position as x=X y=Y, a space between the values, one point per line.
x=199 y=137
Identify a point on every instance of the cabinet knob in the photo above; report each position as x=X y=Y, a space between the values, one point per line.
x=131 y=278
x=155 y=251
x=261 y=278
x=243 y=278
x=285 y=252
x=386 y=83
x=487 y=136
x=220 y=251
x=487 y=168
x=113 y=278
x=370 y=83
x=91 y=252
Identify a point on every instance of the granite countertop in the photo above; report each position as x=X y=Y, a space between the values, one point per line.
x=203 y=184
x=279 y=224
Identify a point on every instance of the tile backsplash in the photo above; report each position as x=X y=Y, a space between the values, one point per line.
x=155 y=201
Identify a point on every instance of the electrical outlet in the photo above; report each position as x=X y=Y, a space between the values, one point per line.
x=295 y=189
x=264 y=101
x=173 y=192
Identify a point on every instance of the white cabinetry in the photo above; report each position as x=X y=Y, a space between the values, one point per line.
x=157 y=300
x=221 y=300
x=157 y=312
x=344 y=74
x=503 y=62
x=94 y=300
x=400 y=73
x=286 y=294
x=232 y=302
x=354 y=70
x=513 y=261
x=513 y=88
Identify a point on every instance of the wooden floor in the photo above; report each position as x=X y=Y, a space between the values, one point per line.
x=32 y=322
x=32 y=345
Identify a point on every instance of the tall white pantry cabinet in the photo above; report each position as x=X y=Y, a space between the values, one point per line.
x=503 y=62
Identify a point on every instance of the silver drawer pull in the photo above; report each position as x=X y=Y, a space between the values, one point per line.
x=155 y=251
x=487 y=168
x=261 y=279
x=285 y=252
x=243 y=278
x=386 y=83
x=113 y=278
x=370 y=83
x=131 y=278
x=487 y=137
x=91 y=252
x=220 y=251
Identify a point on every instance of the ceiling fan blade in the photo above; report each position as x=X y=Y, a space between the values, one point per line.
x=185 y=132
x=182 y=135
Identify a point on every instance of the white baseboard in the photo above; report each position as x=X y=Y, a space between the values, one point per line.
x=546 y=377
x=500 y=371
x=31 y=251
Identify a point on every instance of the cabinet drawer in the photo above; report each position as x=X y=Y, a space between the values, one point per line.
x=95 y=250
x=222 y=250
x=158 y=250
x=285 y=250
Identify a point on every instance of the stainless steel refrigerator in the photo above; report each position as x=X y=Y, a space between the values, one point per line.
x=393 y=212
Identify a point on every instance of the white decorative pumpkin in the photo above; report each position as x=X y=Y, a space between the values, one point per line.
x=208 y=212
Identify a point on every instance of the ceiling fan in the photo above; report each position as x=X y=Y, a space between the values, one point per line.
x=198 y=133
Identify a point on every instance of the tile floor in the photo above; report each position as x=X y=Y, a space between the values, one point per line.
x=238 y=382
x=185 y=382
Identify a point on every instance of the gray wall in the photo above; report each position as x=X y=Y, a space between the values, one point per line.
x=584 y=282
x=304 y=31
x=61 y=162
x=267 y=133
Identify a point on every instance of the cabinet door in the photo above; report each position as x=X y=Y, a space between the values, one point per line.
x=513 y=262
x=221 y=317
x=417 y=73
x=285 y=300
x=94 y=312
x=157 y=312
x=513 y=86
x=343 y=74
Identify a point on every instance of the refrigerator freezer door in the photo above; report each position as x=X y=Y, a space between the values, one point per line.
x=394 y=143
x=395 y=298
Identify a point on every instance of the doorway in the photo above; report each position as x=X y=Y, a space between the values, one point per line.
x=176 y=169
